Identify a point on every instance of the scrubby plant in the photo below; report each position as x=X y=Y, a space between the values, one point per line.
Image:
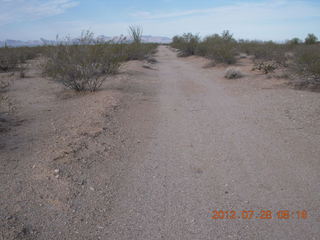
x=218 y=48
x=186 y=44
x=137 y=50
x=267 y=55
x=265 y=67
x=233 y=73
x=12 y=58
x=311 y=39
x=307 y=62
x=8 y=59
x=294 y=41
x=85 y=63
x=221 y=49
x=82 y=66
x=266 y=51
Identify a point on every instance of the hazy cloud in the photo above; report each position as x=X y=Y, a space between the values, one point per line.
x=243 y=10
x=19 y=10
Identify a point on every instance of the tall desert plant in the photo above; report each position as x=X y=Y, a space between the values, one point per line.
x=135 y=33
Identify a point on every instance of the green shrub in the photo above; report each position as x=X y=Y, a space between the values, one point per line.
x=294 y=41
x=221 y=49
x=139 y=51
x=266 y=51
x=186 y=44
x=11 y=58
x=311 y=39
x=218 y=48
x=307 y=61
x=136 y=50
x=82 y=66
x=8 y=59
x=85 y=64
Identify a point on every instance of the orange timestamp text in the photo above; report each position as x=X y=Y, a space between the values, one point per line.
x=259 y=214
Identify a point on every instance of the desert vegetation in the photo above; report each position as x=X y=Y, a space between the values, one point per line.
x=12 y=58
x=187 y=44
x=81 y=64
x=300 y=58
x=85 y=64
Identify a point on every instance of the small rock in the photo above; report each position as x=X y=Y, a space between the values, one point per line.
x=91 y=188
x=56 y=171
x=147 y=66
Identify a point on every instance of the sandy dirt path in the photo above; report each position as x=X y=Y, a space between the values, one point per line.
x=204 y=144
x=158 y=148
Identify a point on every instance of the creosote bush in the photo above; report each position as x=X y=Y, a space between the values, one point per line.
x=307 y=64
x=302 y=58
x=220 y=48
x=266 y=51
x=12 y=58
x=84 y=65
x=8 y=59
x=141 y=51
x=187 y=44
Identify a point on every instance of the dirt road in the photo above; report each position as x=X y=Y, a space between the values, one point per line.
x=204 y=145
x=187 y=142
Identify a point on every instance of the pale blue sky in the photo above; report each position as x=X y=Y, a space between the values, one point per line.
x=249 y=19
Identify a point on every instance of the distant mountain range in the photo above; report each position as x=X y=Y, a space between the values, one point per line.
x=32 y=43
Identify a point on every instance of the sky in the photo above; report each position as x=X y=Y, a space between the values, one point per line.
x=246 y=19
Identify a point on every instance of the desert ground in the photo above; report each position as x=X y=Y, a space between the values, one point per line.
x=155 y=151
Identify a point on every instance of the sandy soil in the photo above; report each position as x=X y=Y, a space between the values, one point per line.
x=152 y=153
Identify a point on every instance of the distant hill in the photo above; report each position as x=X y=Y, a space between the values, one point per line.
x=18 y=43
x=32 y=43
x=156 y=39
